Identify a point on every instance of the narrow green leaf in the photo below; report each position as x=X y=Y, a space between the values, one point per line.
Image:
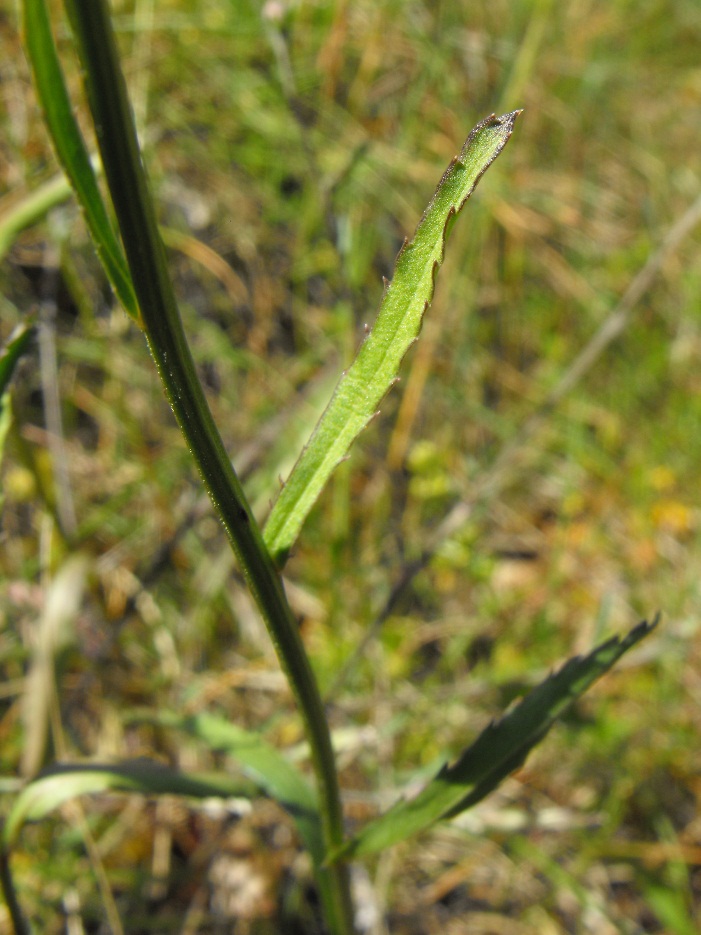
x=62 y=782
x=70 y=147
x=375 y=368
x=498 y=751
x=275 y=775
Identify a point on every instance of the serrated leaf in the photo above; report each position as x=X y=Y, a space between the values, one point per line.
x=498 y=751
x=398 y=324
x=62 y=782
x=70 y=147
x=262 y=763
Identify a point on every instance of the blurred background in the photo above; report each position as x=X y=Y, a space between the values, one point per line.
x=530 y=487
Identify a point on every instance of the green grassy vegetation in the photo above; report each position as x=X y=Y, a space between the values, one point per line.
x=291 y=149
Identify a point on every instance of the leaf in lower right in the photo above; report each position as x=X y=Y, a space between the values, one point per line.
x=497 y=752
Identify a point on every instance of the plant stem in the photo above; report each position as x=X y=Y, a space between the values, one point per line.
x=135 y=213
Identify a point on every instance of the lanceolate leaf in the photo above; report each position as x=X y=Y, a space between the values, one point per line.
x=375 y=368
x=66 y=781
x=70 y=147
x=499 y=750
x=264 y=768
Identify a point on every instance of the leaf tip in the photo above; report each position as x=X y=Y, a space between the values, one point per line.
x=508 y=120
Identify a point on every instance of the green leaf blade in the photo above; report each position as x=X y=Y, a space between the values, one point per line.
x=70 y=148
x=63 y=782
x=375 y=368
x=497 y=752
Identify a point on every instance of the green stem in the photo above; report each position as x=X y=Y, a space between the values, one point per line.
x=135 y=213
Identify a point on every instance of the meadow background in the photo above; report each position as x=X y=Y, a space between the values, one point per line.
x=292 y=147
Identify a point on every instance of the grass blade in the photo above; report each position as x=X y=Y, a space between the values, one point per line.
x=498 y=751
x=398 y=324
x=70 y=147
